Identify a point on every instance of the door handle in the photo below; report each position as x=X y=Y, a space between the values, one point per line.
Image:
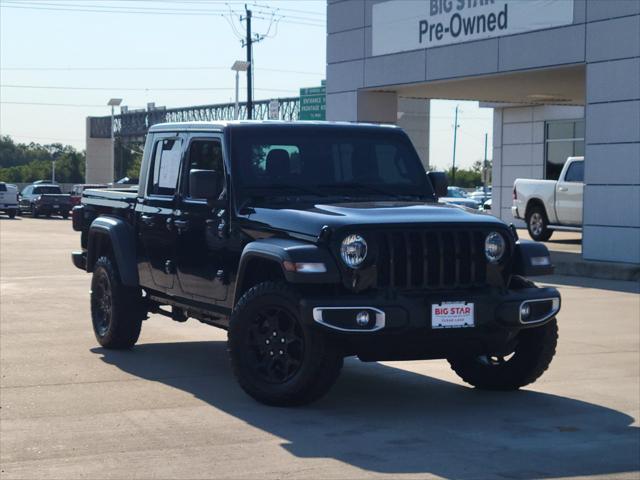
x=147 y=220
x=181 y=225
x=563 y=189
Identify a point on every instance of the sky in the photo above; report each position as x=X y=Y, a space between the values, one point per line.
x=81 y=53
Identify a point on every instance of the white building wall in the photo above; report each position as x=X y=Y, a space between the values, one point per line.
x=518 y=149
x=99 y=158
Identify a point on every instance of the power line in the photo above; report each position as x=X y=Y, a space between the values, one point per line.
x=74 y=69
x=187 y=68
x=43 y=138
x=133 y=89
x=55 y=104
x=131 y=10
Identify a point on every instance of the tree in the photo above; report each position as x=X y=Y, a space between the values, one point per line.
x=25 y=163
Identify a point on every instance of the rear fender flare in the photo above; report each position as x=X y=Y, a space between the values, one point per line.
x=121 y=239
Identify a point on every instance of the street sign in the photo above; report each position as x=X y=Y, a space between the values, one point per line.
x=312 y=103
x=274 y=110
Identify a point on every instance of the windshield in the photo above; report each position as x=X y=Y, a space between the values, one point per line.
x=326 y=162
x=47 y=190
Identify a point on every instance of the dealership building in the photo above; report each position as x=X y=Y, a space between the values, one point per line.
x=563 y=77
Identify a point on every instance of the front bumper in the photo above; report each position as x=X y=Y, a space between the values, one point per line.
x=405 y=329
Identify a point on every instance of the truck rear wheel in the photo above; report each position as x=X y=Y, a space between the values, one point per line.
x=538 y=224
x=12 y=214
x=116 y=310
x=277 y=359
x=533 y=353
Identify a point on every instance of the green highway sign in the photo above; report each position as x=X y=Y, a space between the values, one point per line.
x=312 y=103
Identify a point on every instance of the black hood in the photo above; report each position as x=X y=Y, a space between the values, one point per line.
x=309 y=219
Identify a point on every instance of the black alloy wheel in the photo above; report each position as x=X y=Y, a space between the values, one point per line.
x=101 y=304
x=277 y=357
x=277 y=344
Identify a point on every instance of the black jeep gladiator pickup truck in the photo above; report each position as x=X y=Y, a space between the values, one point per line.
x=311 y=242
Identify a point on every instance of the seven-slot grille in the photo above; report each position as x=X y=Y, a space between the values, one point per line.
x=435 y=259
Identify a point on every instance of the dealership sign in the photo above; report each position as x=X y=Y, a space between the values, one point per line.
x=402 y=25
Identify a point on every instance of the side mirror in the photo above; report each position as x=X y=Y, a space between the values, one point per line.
x=440 y=183
x=205 y=184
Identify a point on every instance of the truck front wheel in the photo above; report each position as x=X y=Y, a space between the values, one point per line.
x=538 y=224
x=532 y=355
x=116 y=310
x=277 y=359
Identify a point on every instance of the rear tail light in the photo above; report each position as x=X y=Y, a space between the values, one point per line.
x=77 y=217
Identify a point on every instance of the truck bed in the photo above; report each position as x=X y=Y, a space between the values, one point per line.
x=110 y=197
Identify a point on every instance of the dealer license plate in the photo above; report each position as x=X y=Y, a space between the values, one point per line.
x=452 y=315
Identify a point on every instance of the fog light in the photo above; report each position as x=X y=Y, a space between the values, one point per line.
x=362 y=319
x=525 y=311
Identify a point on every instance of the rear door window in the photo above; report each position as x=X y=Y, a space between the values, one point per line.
x=165 y=167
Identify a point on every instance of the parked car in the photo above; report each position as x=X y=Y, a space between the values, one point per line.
x=486 y=206
x=548 y=205
x=479 y=195
x=9 y=199
x=457 y=196
x=76 y=191
x=311 y=242
x=44 y=199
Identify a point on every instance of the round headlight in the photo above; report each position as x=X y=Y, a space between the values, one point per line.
x=353 y=251
x=494 y=247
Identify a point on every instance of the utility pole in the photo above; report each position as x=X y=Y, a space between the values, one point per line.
x=249 y=46
x=484 y=170
x=455 y=138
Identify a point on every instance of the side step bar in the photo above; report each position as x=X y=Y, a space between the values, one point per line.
x=564 y=228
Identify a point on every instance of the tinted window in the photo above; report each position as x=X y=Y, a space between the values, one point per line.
x=46 y=190
x=563 y=139
x=204 y=154
x=165 y=166
x=349 y=161
x=3 y=187
x=575 y=173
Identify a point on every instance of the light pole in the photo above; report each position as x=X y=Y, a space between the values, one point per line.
x=238 y=66
x=53 y=171
x=455 y=138
x=114 y=102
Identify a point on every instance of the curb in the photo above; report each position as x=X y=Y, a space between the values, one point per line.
x=572 y=264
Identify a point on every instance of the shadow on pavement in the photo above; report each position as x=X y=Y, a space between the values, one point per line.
x=388 y=420
x=587 y=282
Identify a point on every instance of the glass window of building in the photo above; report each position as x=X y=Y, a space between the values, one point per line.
x=563 y=139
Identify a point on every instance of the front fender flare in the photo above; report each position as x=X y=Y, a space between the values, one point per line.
x=280 y=250
x=121 y=238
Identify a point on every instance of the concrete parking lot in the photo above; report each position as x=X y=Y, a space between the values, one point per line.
x=171 y=409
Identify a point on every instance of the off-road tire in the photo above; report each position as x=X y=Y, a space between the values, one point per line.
x=538 y=224
x=533 y=354
x=119 y=326
x=320 y=361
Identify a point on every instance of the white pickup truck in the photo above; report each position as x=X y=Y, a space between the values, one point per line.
x=8 y=199
x=547 y=205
